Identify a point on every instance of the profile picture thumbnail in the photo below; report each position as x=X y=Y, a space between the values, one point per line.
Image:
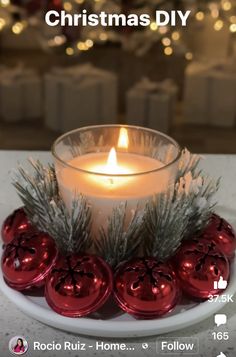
x=18 y=345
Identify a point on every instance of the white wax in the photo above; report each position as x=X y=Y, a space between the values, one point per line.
x=106 y=192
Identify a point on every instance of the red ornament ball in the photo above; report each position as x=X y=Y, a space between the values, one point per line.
x=199 y=263
x=27 y=260
x=146 y=288
x=14 y=224
x=78 y=285
x=222 y=234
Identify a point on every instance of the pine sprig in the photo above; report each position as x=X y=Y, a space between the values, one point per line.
x=118 y=243
x=199 y=192
x=165 y=224
x=188 y=163
x=46 y=209
x=180 y=213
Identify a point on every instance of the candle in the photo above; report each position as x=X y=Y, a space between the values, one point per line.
x=122 y=173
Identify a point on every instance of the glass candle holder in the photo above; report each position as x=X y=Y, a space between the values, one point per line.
x=113 y=164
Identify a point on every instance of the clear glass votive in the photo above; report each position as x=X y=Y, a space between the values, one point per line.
x=114 y=164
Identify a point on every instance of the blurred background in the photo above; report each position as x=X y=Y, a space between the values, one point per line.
x=178 y=80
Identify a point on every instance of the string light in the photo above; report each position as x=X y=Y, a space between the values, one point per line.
x=215 y=13
x=57 y=41
x=82 y=46
x=200 y=16
x=2 y=23
x=175 y=36
x=226 y=5
x=233 y=19
x=153 y=26
x=17 y=28
x=189 y=56
x=70 y=51
x=168 y=51
x=232 y=28
x=214 y=8
x=89 y=43
x=68 y=6
x=79 y=1
x=103 y=36
x=219 y=24
x=5 y=3
x=163 y=30
x=166 y=41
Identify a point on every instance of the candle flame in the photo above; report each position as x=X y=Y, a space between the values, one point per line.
x=112 y=166
x=112 y=161
x=123 y=142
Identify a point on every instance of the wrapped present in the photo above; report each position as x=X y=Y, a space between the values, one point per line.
x=55 y=90
x=222 y=107
x=196 y=94
x=20 y=94
x=151 y=104
x=79 y=96
x=210 y=94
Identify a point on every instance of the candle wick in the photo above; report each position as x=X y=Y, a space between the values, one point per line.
x=111 y=181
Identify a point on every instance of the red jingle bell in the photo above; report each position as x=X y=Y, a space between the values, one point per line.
x=199 y=263
x=146 y=288
x=15 y=223
x=78 y=285
x=222 y=234
x=27 y=260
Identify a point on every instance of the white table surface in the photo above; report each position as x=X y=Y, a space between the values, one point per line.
x=14 y=322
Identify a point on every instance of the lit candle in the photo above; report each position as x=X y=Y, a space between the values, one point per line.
x=109 y=178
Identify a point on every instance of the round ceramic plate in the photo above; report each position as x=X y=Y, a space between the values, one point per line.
x=110 y=322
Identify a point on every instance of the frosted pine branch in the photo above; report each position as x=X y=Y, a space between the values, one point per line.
x=188 y=163
x=200 y=193
x=180 y=213
x=118 y=243
x=45 y=208
x=165 y=223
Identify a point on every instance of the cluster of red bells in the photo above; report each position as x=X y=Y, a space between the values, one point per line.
x=77 y=285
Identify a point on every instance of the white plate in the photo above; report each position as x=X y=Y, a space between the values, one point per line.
x=117 y=325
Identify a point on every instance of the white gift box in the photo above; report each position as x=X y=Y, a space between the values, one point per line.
x=79 y=96
x=196 y=94
x=210 y=94
x=20 y=95
x=151 y=104
x=54 y=92
x=222 y=108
